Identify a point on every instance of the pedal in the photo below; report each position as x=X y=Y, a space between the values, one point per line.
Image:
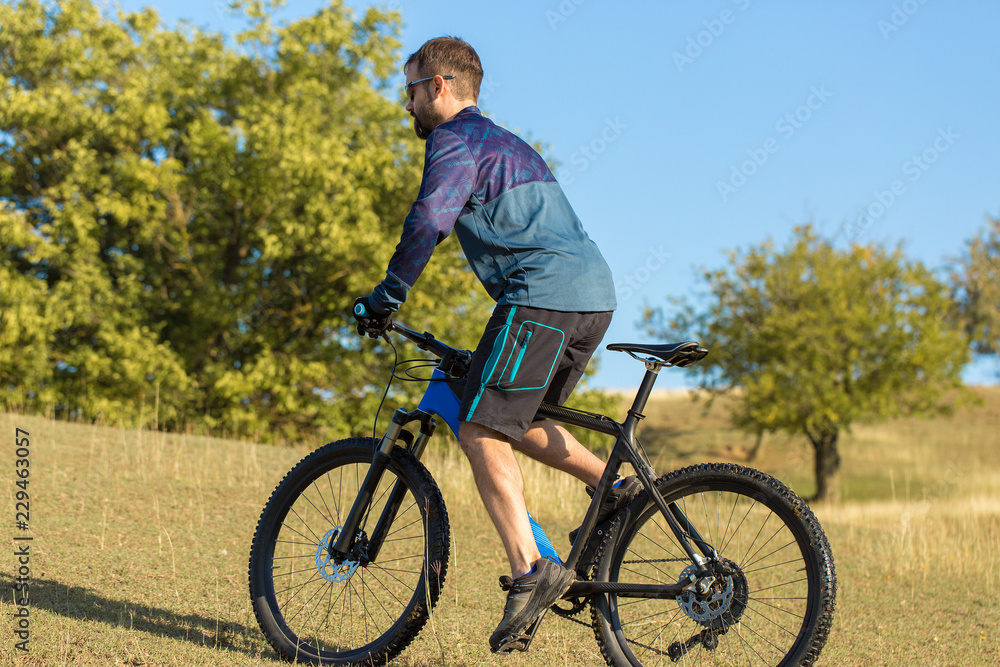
x=519 y=641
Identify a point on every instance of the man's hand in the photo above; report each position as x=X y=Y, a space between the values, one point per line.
x=369 y=323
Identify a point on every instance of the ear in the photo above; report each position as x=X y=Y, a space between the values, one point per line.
x=437 y=86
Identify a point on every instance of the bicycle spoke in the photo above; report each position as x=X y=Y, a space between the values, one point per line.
x=748 y=562
x=334 y=514
x=748 y=645
x=377 y=599
x=769 y=567
x=305 y=537
x=776 y=648
x=304 y=604
x=787 y=583
x=742 y=560
x=672 y=614
x=759 y=602
x=736 y=531
x=298 y=587
x=313 y=505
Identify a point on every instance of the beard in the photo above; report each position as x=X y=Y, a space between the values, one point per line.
x=420 y=129
x=425 y=119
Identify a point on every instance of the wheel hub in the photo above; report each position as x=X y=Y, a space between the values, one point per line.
x=722 y=604
x=330 y=568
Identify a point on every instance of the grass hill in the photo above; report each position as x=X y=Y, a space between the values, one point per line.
x=140 y=541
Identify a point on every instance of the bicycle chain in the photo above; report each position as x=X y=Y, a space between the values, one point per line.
x=579 y=604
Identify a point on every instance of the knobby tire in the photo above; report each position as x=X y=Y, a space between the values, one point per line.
x=313 y=613
x=775 y=609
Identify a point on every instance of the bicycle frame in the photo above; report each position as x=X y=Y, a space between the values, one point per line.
x=439 y=400
x=626 y=450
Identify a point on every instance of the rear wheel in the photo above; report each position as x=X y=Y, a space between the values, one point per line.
x=771 y=598
x=319 y=609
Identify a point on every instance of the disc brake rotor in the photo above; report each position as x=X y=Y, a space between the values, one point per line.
x=724 y=602
x=328 y=568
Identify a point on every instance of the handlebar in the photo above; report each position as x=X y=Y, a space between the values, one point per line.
x=425 y=341
x=454 y=362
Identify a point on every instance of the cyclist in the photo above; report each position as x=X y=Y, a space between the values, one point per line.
x=554 y=293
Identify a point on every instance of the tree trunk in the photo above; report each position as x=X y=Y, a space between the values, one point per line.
x=758 y=447
x=827 y=467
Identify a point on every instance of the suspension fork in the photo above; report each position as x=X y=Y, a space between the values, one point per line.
x=388 y=515
x=343 y=543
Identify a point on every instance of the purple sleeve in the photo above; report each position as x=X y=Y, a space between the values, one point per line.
x=448 y=181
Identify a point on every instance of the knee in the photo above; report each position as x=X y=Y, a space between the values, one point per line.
x=466 y=445
x=475 y=438
x=469 y=438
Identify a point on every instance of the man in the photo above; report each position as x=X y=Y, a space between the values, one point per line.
x=554 y=294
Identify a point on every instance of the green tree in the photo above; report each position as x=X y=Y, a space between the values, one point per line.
x=184 y=224
x=816 y=339
x=976 y=288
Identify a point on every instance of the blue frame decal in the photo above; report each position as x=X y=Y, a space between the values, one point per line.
x=441 y=401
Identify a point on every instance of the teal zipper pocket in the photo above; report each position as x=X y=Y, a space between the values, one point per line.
x=520 y=356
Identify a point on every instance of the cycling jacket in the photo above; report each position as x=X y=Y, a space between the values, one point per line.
x=517 y=229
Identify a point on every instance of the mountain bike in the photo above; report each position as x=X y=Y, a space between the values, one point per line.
x=713 y=564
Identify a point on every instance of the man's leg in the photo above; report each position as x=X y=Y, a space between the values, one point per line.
x=513 y=378
x=551 y=444
x=501 y=486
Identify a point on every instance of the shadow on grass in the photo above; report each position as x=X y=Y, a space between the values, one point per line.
x=83 y=604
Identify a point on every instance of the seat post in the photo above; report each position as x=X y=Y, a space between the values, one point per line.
x=645 y=389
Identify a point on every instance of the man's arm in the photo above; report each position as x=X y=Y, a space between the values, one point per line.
x=448 y=181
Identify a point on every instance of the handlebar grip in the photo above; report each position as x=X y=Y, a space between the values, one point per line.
x=360 y=310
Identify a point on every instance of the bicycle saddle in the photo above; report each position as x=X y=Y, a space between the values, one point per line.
x=668 y=354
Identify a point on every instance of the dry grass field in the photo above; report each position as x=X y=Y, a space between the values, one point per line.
x=140 y=542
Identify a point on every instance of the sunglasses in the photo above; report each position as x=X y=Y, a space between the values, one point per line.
x=406 y=88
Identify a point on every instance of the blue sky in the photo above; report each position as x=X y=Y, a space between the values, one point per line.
x=687 y=129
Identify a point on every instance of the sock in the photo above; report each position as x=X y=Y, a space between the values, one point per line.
x=531 y=571
x=618 y=483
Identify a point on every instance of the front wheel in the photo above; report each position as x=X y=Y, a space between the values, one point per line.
x=770 y=600
x=316 y=608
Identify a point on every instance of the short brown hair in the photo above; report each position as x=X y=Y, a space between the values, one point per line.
x=450 y=55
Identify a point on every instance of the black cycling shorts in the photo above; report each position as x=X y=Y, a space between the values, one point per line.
x=526 y=356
